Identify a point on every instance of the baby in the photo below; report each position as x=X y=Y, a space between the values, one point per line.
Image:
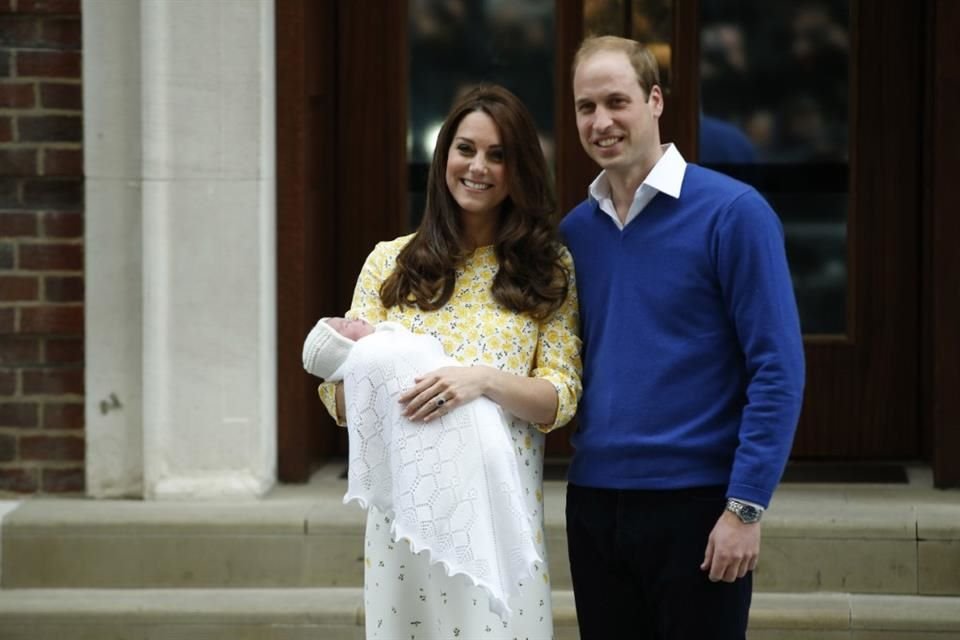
x=450 y=487
x=329 y=343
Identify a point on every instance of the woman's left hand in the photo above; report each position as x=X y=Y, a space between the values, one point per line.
x=442 y=390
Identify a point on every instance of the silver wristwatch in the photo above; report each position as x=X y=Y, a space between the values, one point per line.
x=747 y=513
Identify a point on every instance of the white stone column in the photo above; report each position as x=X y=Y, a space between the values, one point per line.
x=205 y=260
x=112 y=244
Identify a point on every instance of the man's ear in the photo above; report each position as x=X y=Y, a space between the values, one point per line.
x=656 y=100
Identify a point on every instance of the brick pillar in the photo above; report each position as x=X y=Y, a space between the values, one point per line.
x=41 y=247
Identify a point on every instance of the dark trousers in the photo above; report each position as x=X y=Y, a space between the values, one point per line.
x=635 y=560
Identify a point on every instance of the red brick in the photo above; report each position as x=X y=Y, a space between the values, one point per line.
x=17 y=350
x=52 y=381
x=6 y=130
x=18 y=414
x=6 y=255
x=64 y=289
x=19 y=480
x=64 y=351
x=50 y=129
x=8 y=448
x=66 y=7
x=63 y=416
x=48 y=64
x=18 y=31
x=17 y=96
x=5 y=64
x=51 y=257
x=18 y=288
x=64 y=480
x=18 y=162
x=63 y=224
x=63 y=162
x=16 y=223
x=58 y=95
x=53 y=193
x=60 y=33
x=8 y=382
x=56 y=448
x=52 y=319
x=6 y=320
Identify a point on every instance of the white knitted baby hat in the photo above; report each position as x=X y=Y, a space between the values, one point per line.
x=324 y=350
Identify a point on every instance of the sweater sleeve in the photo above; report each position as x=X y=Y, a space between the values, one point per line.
x=558 y=353
x=366 y=305
x=758 y=293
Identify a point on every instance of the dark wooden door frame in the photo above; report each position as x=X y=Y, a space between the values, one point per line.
x=941 y=309
x=305 y=102
x=341 y=186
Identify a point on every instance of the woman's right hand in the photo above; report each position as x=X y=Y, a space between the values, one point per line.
x=438 y=392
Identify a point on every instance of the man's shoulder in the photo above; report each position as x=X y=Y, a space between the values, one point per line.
x=735 y=204
x=579 y=213
x=701 y=179
x=703 y=187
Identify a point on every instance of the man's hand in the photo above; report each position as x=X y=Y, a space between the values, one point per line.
x=732 y=549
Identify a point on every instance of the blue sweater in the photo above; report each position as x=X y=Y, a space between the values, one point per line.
x=693 y=356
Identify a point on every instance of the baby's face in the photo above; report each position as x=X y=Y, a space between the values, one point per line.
x=353 y=329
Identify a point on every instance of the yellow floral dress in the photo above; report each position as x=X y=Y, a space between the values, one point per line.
x=404 y=596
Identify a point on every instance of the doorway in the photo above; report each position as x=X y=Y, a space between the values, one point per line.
x=343 y=91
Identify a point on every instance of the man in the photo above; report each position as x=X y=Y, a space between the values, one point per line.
x=693 y=370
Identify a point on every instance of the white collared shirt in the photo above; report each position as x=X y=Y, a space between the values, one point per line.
x=666 y=176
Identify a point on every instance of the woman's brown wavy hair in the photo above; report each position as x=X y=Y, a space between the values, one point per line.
x=531 y=278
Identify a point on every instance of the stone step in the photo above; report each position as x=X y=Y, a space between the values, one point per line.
x=337 y=614
x=855 y=539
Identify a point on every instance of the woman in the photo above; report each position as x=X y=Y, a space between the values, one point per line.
x=485 y=274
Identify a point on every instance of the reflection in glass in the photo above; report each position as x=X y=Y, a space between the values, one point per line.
x=455 y=44
x=651 y=22
x=604 y=18
x=774 y=113
x=646 y=21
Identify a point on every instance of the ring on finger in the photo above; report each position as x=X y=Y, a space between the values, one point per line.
x=441 y=401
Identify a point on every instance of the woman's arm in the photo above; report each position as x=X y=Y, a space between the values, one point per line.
x=530 y=399
x=547 y=397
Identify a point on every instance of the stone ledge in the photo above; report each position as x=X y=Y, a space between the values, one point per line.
x=183 y=606
x=872 y=540
x=840 y=512
x=343 y=608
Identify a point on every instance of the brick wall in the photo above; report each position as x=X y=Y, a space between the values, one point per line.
x=41 y=247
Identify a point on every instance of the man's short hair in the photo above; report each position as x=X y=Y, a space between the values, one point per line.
x=641 y=58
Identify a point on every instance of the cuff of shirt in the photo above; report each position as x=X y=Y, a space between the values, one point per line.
x=747 y=502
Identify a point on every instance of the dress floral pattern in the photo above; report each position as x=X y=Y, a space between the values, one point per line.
x=404 y=596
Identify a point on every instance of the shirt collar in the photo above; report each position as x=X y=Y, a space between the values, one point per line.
x=666 y=176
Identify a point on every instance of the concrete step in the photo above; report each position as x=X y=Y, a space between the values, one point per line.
x=337 y=614
x=852 y=539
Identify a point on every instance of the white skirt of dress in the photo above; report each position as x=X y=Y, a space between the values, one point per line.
x=405 y=597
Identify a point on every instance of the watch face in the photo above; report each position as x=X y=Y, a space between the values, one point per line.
x=745 y=512
x=749 y=514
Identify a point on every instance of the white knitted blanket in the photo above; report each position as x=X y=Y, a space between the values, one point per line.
x=451 y=486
